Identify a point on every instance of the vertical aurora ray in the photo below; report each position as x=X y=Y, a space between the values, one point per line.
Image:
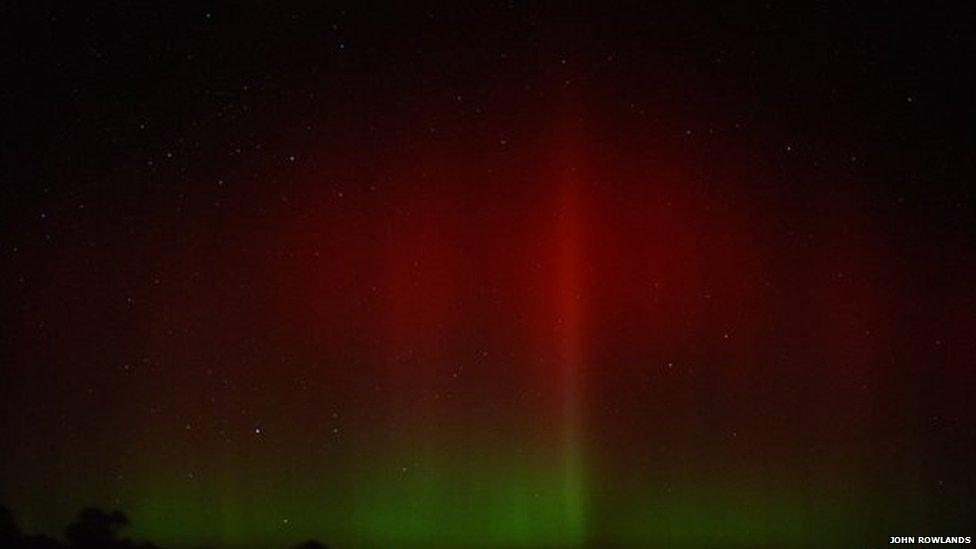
x=568 y=284
x=477 y=491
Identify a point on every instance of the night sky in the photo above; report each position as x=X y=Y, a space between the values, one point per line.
x=504 y=275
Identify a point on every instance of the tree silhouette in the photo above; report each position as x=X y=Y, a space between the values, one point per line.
x=95 y=528
x=11 y=536
x=9 y=531
x=311 y=544
x=39 y=542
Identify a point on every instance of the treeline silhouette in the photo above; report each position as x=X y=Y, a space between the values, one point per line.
x=93 y=528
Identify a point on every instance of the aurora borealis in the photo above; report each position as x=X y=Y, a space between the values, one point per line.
x=506 y=275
